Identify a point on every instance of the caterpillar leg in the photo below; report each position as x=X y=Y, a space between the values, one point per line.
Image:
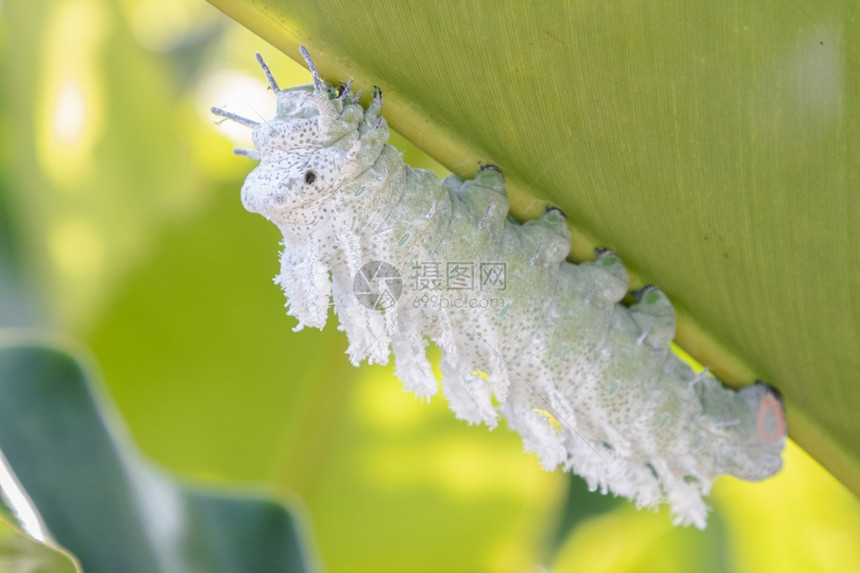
x=607 y=277
x=557 y=212
x=655 y=316
x=555 y=240
x=453 y=184
x=374 y=110
x=372 y=129
x=483 y=204
x=489 y=181
x=541 y=243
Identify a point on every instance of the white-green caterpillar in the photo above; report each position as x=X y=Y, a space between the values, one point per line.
x=408 y=259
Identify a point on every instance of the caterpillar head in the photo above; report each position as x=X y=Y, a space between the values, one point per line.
x=320 y=139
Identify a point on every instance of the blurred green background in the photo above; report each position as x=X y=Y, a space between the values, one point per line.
x=120 y=225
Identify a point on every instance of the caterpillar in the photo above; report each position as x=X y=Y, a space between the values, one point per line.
x=408 y=260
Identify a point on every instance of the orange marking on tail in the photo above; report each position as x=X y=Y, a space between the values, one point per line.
x=770 y=406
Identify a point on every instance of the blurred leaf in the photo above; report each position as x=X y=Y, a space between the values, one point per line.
x=649 y=543
x=19 y=553
x=711 y=146
x=673 y=549
x=16 y=304
x=581 y=505
x=76 y=123
x=105 y=504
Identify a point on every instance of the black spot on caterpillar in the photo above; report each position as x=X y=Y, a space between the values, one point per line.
x=410 y=260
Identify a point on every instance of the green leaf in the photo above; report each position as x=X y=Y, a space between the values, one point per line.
x=105 y=504
x=713 y=147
